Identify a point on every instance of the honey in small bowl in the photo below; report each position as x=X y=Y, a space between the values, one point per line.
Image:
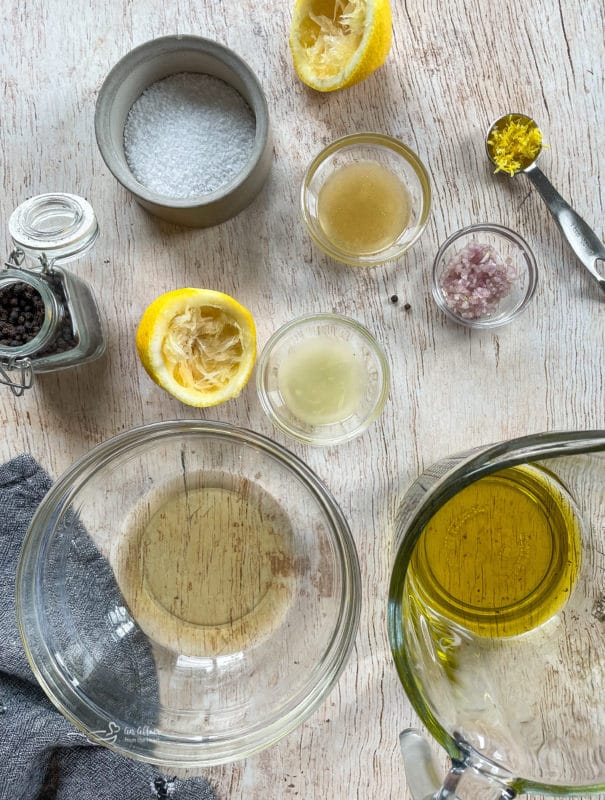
x=365 y=199
x=363 y=207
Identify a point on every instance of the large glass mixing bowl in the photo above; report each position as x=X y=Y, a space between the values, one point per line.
x=188 y=593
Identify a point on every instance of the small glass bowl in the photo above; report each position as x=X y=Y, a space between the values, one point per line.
x=494 y=312
x=363 y=397
x=388 y=152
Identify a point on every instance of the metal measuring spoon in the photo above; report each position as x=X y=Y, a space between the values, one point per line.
x=587 y=246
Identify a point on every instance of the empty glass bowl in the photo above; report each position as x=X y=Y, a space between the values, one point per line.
x=188 y=593
x=365 y=199
x=484 y=276
x=322 y=378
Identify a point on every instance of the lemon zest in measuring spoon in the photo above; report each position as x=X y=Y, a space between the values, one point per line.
x=515 y=144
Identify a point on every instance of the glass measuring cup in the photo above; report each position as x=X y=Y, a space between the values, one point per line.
x=508 y=678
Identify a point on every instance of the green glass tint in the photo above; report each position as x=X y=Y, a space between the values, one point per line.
x=497 y=609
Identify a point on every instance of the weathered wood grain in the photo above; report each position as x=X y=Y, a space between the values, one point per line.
x=453 y=68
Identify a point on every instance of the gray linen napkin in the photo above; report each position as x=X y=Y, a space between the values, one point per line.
x=42 y=756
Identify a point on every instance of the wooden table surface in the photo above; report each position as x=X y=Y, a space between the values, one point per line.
x=452 y=69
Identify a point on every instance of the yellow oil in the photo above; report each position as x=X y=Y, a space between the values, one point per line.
x=207 y=569
x=322 y=381
x=363 y=207
x=502 y=556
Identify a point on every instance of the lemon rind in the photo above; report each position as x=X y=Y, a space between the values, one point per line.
x=377 y=37
x=152 y=329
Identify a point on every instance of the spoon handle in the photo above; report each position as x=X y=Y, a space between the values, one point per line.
x=582 y=239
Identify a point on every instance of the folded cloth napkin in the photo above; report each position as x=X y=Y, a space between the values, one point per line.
x=42 y=756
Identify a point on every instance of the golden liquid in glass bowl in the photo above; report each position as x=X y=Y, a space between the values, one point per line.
x=207 y=569
x=363 y=207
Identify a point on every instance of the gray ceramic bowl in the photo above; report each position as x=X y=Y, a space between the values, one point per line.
x=160 y=58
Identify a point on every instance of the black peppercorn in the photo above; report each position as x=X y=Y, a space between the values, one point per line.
x=21 y=314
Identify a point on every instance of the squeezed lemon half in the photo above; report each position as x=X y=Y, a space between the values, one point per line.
x=337 y=43
x=197 y=344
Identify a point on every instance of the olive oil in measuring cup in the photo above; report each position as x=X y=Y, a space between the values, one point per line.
x=501 y=557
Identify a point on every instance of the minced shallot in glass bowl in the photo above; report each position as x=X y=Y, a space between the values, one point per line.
x=484 y=275
x=476 y=279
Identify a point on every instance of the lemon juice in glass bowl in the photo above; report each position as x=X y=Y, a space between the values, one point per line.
x=322 y=381
x=322 y=378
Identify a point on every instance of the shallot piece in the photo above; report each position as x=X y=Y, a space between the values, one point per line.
x=476 y=279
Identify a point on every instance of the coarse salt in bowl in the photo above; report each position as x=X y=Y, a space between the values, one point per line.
x=183 y=124
x=484 y=275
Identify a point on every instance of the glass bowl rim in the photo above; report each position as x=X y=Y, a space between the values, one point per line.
x=512 y=237
x=177 y=749
x=346 y=322
x=384 y=141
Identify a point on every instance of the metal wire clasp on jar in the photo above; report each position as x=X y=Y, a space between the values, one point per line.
x=48 y=317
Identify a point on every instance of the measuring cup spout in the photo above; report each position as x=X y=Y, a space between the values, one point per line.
x=422 y=774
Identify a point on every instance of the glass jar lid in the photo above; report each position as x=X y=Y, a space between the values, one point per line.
x=61 y=227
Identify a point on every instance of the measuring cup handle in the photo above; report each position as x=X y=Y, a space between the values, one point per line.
x=420 y=771
x=422 y=775
x=582 y=239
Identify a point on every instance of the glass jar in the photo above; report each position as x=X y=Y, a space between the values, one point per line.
x=48 y=316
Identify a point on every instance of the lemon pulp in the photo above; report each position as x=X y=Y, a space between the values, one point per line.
x=197 y=344
x=331 y=34
x=203 y=348
x=337 y=43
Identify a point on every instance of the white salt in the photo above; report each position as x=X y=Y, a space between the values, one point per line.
x=188 y=134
